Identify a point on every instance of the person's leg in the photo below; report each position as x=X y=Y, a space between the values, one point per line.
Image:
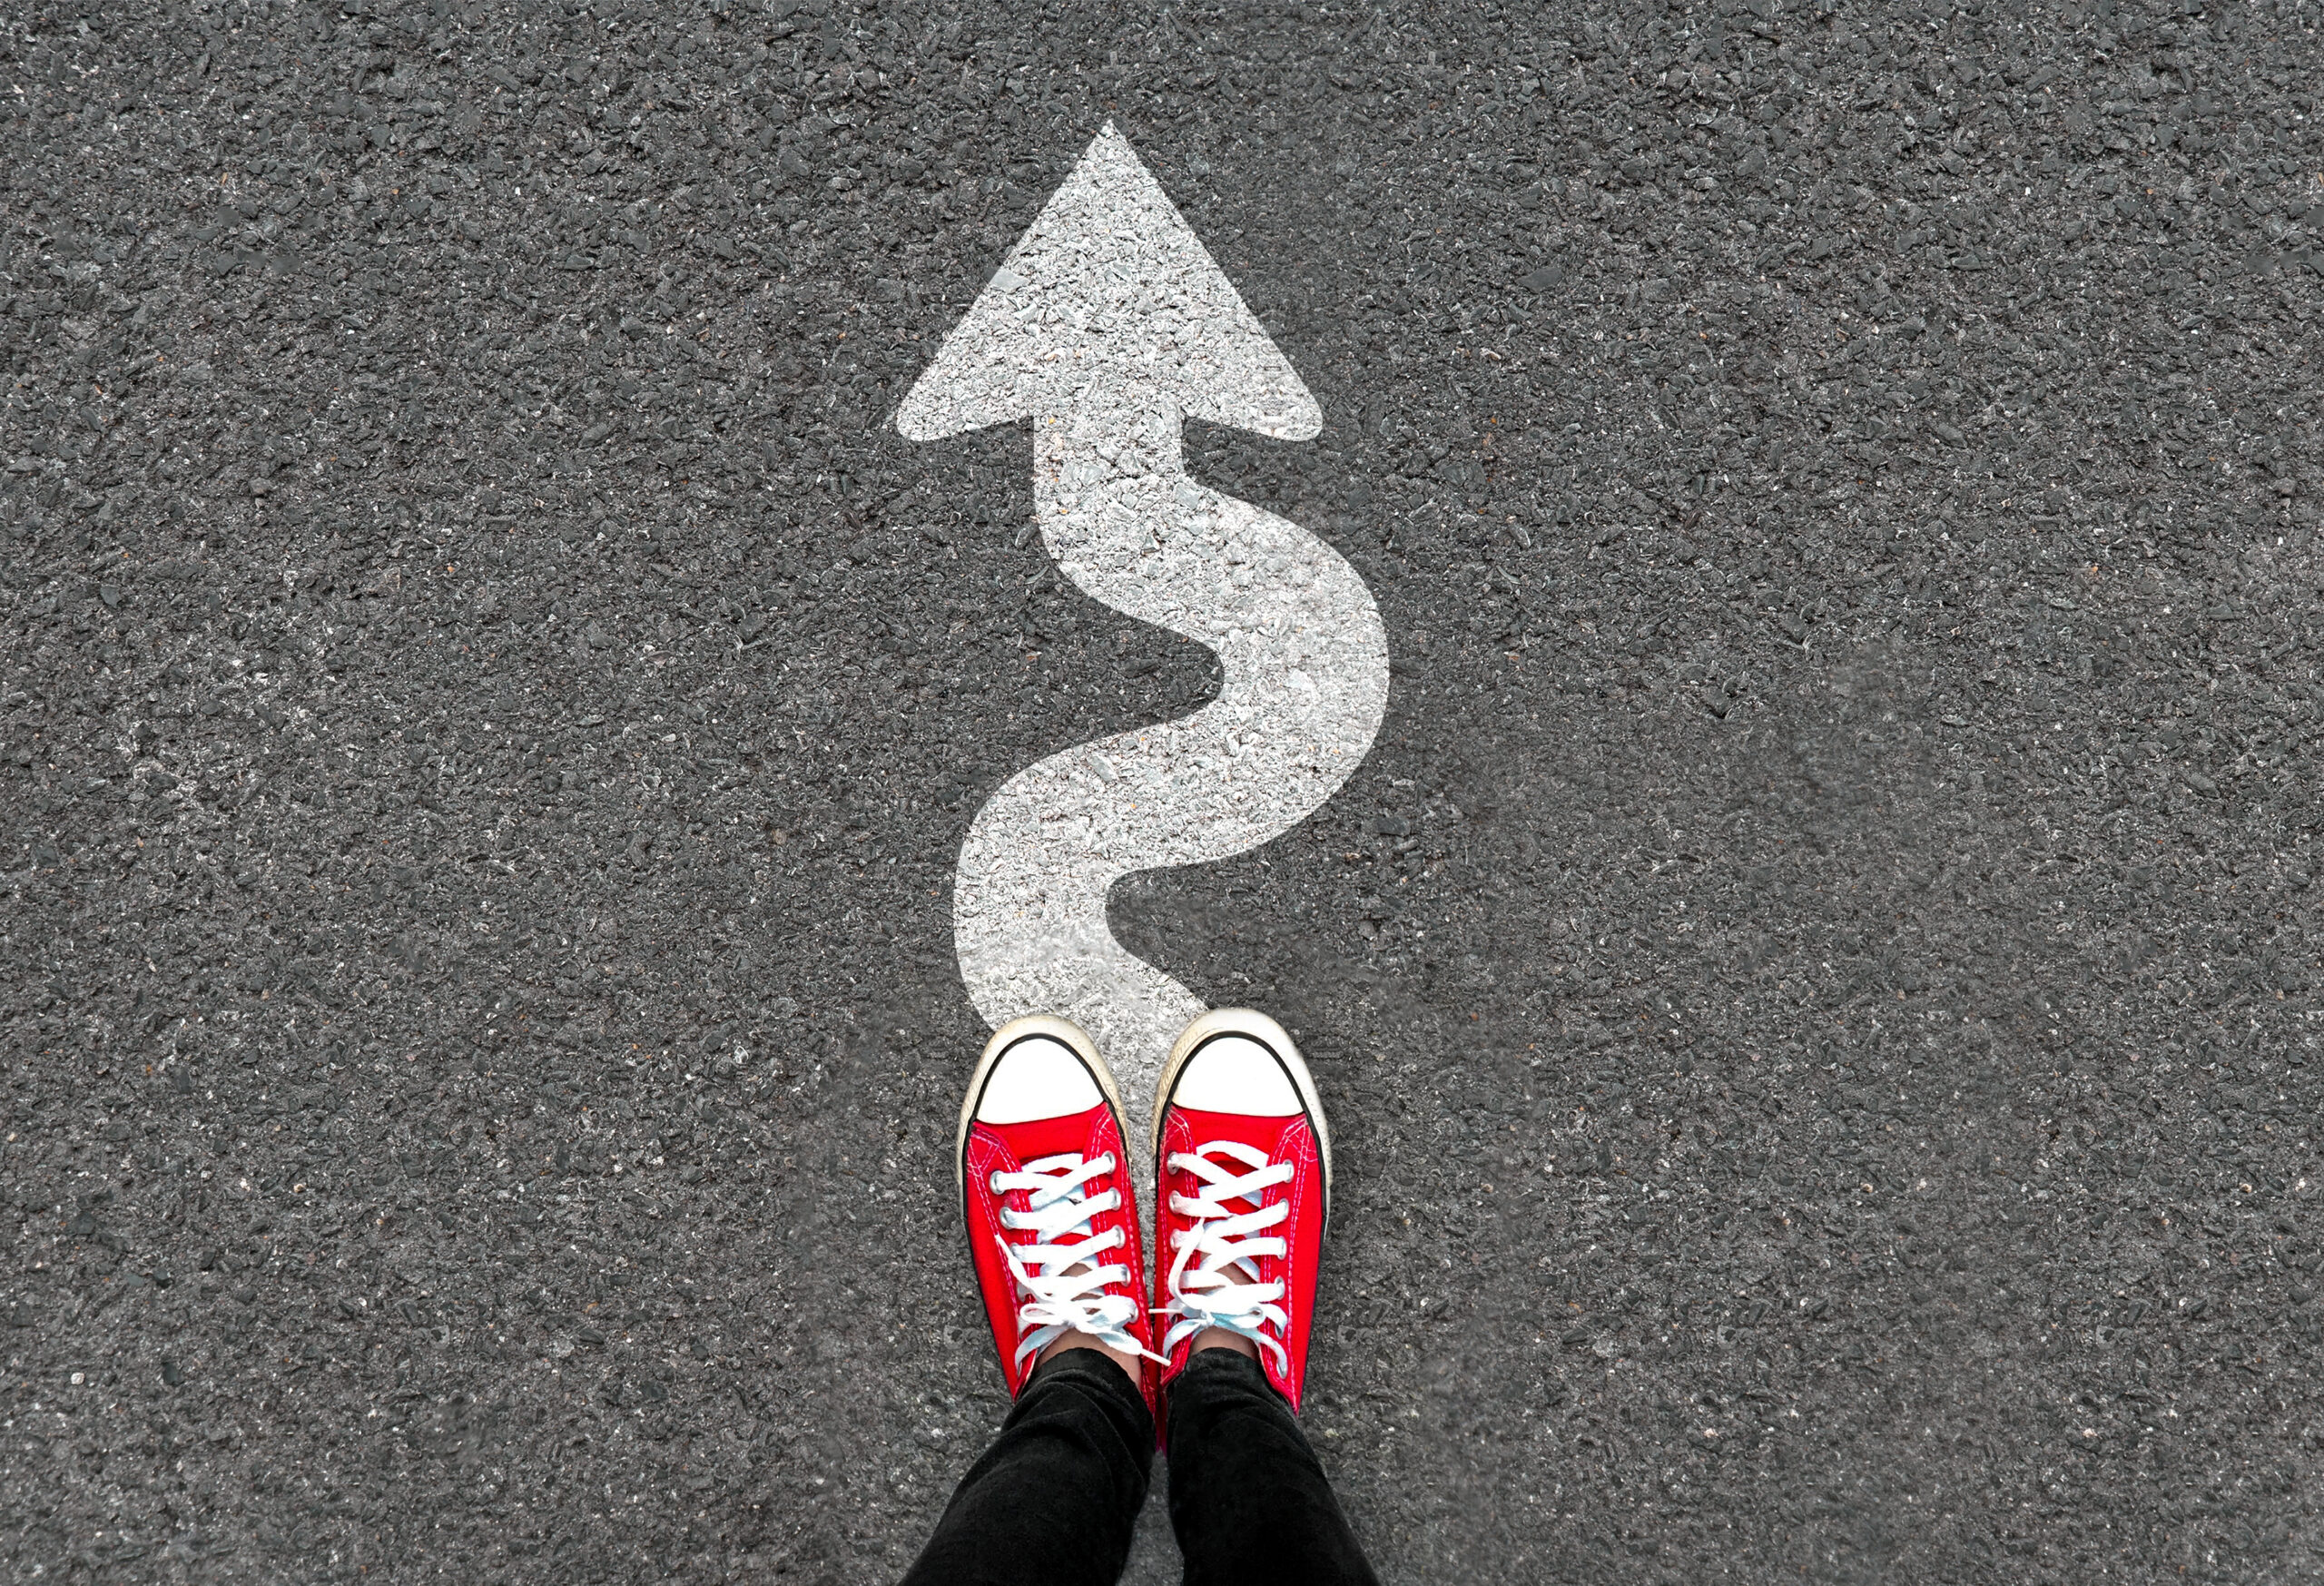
x=1248 y=1497
x=1245 y=1162
x=1055 y=1243
x=1053 y=1500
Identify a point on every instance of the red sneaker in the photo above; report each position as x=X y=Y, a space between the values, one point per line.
x=1244 y=1167
x=1043 y=1183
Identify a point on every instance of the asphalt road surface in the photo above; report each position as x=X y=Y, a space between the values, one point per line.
x=1815 y=984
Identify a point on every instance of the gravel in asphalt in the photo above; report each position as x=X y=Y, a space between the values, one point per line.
x=1815 y=986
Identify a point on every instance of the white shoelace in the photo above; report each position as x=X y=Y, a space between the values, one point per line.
x=1060 y=1298
x=1222 y=1287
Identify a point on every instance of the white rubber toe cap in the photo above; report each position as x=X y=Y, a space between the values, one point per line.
x=1234 y=1073
x=1038 y=1077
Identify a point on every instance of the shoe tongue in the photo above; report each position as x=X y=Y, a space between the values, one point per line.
x=1249 y=1128
x=1051 y=1136
x=1246 y=1128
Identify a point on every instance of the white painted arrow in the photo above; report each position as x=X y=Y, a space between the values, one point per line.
x=1108 y=326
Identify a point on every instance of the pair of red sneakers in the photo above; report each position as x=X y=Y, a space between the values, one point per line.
x=1243 y=1167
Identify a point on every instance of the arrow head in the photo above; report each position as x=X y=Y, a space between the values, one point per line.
x=1109 y=299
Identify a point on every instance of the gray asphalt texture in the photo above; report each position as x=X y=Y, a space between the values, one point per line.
x=1815 y=989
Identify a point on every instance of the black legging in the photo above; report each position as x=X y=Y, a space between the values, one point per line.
x=1053 y=1500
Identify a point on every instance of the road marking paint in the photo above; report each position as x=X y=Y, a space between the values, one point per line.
x=1107 y=325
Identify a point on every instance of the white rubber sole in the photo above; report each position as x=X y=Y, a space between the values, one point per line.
x=1060 y=1029
x=1267 y=1033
